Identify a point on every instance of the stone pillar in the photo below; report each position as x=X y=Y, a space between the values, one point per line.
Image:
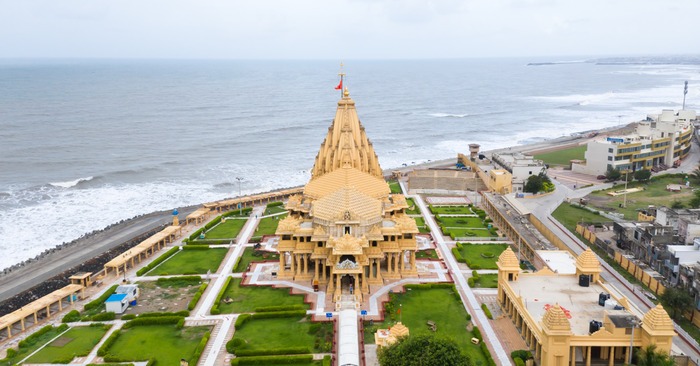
x=611 y=356
x=396 y=262
x=357 y=284
x=21 y=324
x=573 y=355
x=402 y=261
x=388 y=263
x=306 y=263
x=588 y=356
x=316 y=269
x=413 y=260
x=282 y=262
x=378 y=274
x=292 y=263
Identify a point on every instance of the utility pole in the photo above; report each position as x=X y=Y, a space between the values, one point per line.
x=240 y=206
x=685 y=91
x=624 y=201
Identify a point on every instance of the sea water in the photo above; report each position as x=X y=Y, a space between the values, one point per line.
x=86 y=143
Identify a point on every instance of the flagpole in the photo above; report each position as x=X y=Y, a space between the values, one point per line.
x=342 y=76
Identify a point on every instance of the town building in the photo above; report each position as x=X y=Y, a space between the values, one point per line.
x=657 y=143
x=519 y=166
x=574 y=319
x=346 y=230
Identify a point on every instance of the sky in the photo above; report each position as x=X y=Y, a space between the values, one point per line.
x=345 y=29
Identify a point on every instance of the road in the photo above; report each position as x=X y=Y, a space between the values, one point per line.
x=87 y=248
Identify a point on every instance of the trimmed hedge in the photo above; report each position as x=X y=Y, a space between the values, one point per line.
x=486 y=311
x=267 y=360
x=458 y=255
x=200 y=348
x=268 y=309
x=32 y=339
x=197 y=296
x=522 y=354
x=326 y=360
x=275 y=204
x=100 y=300
x=128 y=316
x=477 y=334
x=152 y=321
x=271 y=352
x=157 y=261
x=242 y=319
x=108 y=343
x=179 y=280
x=110 y=315
x=71 y=316
x=215 y=308
x=197 y=247
x=182 y=313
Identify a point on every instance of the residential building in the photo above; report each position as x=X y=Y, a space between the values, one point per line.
x=659 y=141
x=520 y=166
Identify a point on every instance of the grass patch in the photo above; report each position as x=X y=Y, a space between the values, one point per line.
x=395 y=187
x=569 y=215
x=481 y=256
x=563 y=157
x=412 y=209
x=465 y=222
x=430 y=253
x=418 y=306
x=228 y=229
x=165 y=343
x=422 y=227
x=489 y=280
x=191 y=262
x=32 y=343
x=268 y=225
x=463 y=233
x=245 y=299
x=251 y=255
x=451 y=210
x=268 y=334
x=273 y=208
x=654 y=193
x=76 y=342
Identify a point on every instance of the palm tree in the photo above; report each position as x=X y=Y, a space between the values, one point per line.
x=648 y=356
x=695 y=174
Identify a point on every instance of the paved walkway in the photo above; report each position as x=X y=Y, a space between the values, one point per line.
x=468 y=298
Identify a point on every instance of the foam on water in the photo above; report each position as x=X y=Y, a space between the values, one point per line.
x=71 y=183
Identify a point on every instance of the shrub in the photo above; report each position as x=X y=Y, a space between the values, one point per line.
x=179 y=281
x=242 y=319
x=32 y=339
x=215 y=308
x=182 y=313
x=197 y=296
x=268 y=360
x=108 y=343
x=233 y=344
x=487 y=354
x=519 y=361
x=326 y=360
x=200 y=348
x=469 y=317
x=458 y=255
x=100 y=300
x=180 y=323
x=152 y=321
x=271 y=352
x=275 y=204
x=470 y=281
x=71 y=316
x=157 y=261
x=104 y=316
x=522 y=354
x=477 y=334
x=128 y=316
x=486 y=311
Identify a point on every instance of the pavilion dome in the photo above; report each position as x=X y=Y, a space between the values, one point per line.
x=657 y=319
x=508 y=260
x=555 y=319
x=399 y=330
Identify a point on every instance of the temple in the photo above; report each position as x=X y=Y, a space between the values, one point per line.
x=346 y=230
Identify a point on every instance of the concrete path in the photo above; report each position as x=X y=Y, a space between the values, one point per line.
x=90 y=358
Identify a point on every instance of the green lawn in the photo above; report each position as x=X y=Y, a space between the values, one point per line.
x=570 y=215
x=464 y=222
x=464 y=233
x=191 y=262
x=564 y=156
x=412 y=204
x=489 y=280
x=268 y=225
x=77 y=342
x=473 y=254
x=275 y=208
x=37 y=342
x=228 y=229
x=395 y=187
x=165 y=343
x=285 y=333
x=418 y=306
x=451 y=210
x=247 y=298
x=654 y=193
x=251 y=255
x=430 y=253
x=422 y=227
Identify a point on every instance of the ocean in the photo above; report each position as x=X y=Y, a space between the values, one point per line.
x=86 y=143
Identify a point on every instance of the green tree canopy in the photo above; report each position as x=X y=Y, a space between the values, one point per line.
x=423 y=350
x=648 y=356
x=612 y=174
x=679 y=300
x=642 y=175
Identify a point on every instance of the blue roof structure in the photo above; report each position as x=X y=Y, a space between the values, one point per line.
x=116 y=298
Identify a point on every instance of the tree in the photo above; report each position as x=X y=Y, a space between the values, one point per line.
x=612 y=174
x=679 y=300
x=695 y=201
x=533 y=184
x=642 y=175
x=676 y=204
x=423 y=350
x=649 y=356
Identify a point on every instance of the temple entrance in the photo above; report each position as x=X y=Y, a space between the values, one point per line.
x=347 y=283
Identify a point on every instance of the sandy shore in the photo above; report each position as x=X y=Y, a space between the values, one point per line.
x=36 y=272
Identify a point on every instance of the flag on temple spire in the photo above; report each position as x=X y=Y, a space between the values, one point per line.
x=340 y=85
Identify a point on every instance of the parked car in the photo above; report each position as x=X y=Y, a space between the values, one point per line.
x=600 y=177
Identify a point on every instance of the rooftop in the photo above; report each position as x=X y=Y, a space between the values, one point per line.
x=540 y=292
x=558 y=261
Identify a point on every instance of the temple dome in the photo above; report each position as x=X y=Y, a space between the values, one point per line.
x=555 y=319
x=399 y=330
x=587 y=262
x=657 y=319
x=347 y=177
x=508 y=260
x=348 y=204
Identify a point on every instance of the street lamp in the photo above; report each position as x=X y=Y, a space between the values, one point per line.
x=240 y=207
x=635 y=324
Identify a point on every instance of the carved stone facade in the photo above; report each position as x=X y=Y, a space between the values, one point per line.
x=347 y=231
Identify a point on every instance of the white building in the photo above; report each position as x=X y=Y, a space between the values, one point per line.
x=520 y=166
x=117 y=303
x=659 y=141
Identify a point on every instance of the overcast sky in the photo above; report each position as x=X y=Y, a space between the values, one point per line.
x=346 y=29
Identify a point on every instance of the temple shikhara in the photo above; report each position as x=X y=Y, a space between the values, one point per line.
x=346 y=231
